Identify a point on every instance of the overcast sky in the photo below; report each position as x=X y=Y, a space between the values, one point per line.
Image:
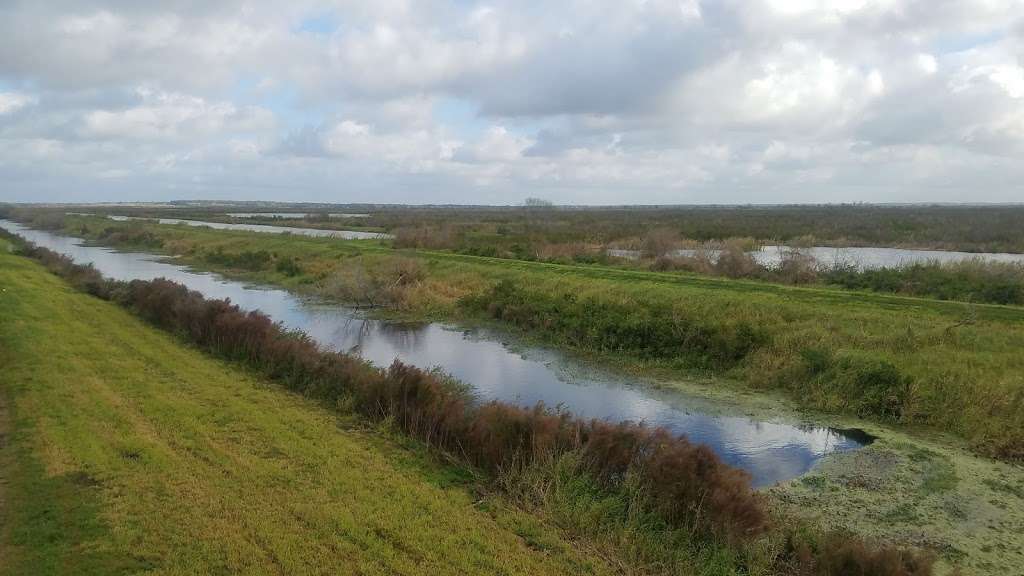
x=588 y=102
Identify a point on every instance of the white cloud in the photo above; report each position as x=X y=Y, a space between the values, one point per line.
x=927 y=63
x=14 y=101
x=1009 y=77
x=413 y=150
x=444 y=100
x=172 y=115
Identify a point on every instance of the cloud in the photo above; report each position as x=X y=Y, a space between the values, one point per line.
x=452 y=101
x=11 y=102
x=164 y=115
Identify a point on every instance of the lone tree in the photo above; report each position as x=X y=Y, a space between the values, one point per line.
x=538 y=203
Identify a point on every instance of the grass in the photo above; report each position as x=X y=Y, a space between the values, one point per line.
x=946 y=365
x=128 y=452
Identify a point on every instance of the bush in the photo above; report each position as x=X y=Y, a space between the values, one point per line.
x=386 y=283
x=253 y=261
x=660 y=242
x=131 y=235
x=735 y=262
x=870 y=386
x=970 y=280
x=288 y=267
x=797 y=267
x=842 y=554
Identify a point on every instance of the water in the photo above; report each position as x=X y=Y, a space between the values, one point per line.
x=344 y=234
x=863 y=258
x=295 y=215
x=497 y=369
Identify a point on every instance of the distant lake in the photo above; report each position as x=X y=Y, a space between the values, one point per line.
x=316 y=232
x=864 y=258
x=293 y=215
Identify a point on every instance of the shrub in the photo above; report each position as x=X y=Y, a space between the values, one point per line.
x=734 y=262
x=842 y=554
x=369 y=284
x=254 y=261
x=870 y=386
x=41 y=220
x=969 y=280
x=288 y=267
x=797 y=267
x=660 y=242
x=131 y=235
x=579 y=252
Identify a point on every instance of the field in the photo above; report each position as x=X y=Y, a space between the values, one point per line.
x=126 y=452
x=912 y=361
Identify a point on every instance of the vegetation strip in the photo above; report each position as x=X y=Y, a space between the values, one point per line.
x=585 y=236
x=685 y=485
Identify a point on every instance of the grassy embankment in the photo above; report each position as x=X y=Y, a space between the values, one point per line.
x=949 y=366
x=123 y=451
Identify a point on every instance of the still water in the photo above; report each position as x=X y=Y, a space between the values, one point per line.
x=862 y=258
x=498 y=369
x=343 y=234
x=292 y=215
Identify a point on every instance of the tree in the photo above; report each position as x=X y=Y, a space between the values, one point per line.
x=537 y=203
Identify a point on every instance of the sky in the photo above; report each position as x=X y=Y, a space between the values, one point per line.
x=576 y=101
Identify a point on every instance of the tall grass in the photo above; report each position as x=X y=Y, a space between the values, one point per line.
x=649 y=330
x=684 y=486
x=972 y=280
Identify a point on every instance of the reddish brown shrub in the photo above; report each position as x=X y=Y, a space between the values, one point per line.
x=841 y=554
x=659 y=242
x=690 y=484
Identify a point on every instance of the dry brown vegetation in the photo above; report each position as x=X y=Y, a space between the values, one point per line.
x=388 y=284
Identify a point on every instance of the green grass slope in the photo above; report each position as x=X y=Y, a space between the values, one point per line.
x=122 y=451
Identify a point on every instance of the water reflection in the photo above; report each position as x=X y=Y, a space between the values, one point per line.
x=496 y=369
x=316 y=232
x=295 y=215
x=862 y=258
